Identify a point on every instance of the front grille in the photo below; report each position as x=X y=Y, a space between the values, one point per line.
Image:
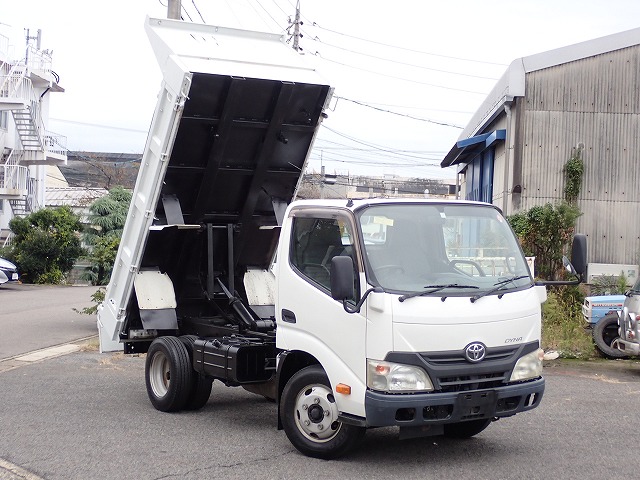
x=458 y=358
x=471 y=382
x=451 y=372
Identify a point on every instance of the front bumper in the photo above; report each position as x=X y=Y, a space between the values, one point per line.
x=12 y=275
x=411 y=410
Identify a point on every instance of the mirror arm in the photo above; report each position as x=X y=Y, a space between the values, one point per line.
x=358 y=306
x=579 y=279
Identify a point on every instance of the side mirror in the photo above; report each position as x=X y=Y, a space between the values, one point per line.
x=579 y=254
x=342 y=278
x=578 y=264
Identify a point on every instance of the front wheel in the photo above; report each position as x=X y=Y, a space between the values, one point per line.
x=309 y=416
x=606 y=336
x=465 y=429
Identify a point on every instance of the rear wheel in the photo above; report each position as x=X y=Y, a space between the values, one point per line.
x=200 y=390
x=465 y=429
x=168 y=374
x=606 y=336
x=309 y=415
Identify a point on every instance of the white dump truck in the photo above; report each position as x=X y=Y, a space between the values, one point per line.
x=420 y=314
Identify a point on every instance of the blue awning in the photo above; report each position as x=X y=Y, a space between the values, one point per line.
x=466 y=150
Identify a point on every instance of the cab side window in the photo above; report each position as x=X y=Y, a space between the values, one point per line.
x=315 y=242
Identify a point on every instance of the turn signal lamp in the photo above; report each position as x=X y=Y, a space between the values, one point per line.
x=343 y=389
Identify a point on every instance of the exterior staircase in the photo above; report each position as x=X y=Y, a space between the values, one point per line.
x=34 y=145
x=18 y=95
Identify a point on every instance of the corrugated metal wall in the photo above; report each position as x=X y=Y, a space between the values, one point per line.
x=594 y=102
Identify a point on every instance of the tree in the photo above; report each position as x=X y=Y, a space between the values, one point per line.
x=107 y=216
x=545 y=232
x=46 y=244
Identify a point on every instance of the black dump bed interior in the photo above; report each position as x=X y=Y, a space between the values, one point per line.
x=239 y=152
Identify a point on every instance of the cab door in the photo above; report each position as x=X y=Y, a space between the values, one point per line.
x=309 y=319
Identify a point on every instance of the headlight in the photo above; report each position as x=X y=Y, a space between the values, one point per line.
x=395 y=377
x=529 y=366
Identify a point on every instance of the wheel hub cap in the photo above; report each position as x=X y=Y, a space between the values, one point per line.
x=316 y=413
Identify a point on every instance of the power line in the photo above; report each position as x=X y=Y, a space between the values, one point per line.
x=283 y=11
x=110 y=127
x=407 y=49
x=368 y=144
x=269 y=14
x=316 y=39
x=362 y=142
x=400 y=114
x=398 y=78
x=351 y=161
x=411 y=107
x=344 y=146
x=393 y=158
x=198 y=10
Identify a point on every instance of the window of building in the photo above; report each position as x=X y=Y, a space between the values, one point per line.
x=480 y=177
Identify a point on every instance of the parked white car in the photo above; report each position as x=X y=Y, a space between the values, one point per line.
x=8 y=271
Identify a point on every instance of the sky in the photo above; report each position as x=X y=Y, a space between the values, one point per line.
x=408 y=75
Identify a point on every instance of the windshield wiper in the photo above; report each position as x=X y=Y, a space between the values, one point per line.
x=433 y=289
x=498 y=286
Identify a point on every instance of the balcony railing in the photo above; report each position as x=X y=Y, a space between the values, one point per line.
x=39 y=61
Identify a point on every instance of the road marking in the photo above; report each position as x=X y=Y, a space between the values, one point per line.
x=24 y=359
x=9 y=471
x=48 y=353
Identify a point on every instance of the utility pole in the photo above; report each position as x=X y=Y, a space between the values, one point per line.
x=37 y=38
x=174 y=9
x=296 y=28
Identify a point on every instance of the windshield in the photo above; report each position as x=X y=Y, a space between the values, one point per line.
x=443 y=250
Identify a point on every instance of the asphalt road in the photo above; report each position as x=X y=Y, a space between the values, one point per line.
x=86 y=415
x=35 y=316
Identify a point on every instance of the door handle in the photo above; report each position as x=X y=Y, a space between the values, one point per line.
x=288 y=316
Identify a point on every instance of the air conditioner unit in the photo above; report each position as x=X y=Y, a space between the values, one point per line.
x=613 y=269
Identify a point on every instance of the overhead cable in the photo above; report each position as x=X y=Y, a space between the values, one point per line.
x=398 y=113
x=368 y=144
x=408 y=49
x=399 y=78
x=316 y=39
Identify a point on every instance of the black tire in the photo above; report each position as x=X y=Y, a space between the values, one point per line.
x=465 y=429
x=309 y=416
x=200 y=390
x=168 y=374
x=605 y=335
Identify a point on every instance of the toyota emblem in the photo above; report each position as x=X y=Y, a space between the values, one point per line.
x=475 y=352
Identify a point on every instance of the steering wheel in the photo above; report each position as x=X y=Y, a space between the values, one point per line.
x=476 y=265
x=387 y=269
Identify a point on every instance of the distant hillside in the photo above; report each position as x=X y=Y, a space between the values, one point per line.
x=101 y=169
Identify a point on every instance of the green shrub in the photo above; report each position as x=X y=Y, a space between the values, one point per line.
x=107 y=216
x=609 y=284
x=46 y=244
x=97 y=298
x=563 y=326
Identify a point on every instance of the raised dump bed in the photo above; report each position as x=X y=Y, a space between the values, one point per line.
x=233 y=128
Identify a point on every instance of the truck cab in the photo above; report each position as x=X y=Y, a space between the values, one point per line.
x=447 y=338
